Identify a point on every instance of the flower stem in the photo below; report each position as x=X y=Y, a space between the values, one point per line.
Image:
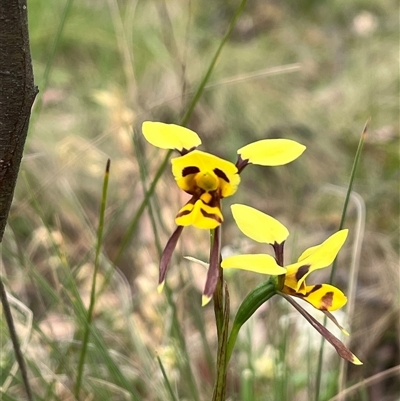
x=222 y=362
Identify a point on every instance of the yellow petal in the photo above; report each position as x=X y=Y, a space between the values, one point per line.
x=198 y=162
x=271 y=152
x=160 y=287
x=170 y=136
x=205 y=300
x=258 y=263
x=259 y=226
x=328 y=250
x=324 y=297
x=314 y=258
x=356 y=361
x=199 y=215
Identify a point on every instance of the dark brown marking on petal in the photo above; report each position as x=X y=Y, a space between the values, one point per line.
x=219 y=173
x=315 y=288
x=290 y=291
x=302 y=271
x=211 y=216
x=190 y=170
x=184 y=213
x=327 y=300
x=214 y=201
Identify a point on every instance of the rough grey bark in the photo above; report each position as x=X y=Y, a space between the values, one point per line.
x=17 y=93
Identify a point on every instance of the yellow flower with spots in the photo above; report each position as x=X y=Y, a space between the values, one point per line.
x=291 y=278
x=209 y=179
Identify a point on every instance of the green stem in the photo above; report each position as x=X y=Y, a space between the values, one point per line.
x=222 y=362
x=218 y=295
x=14 y=339
x=85 y=340
x=342 y=220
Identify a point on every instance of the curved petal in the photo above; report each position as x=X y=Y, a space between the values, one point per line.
x=259 y=226
x=258 y=263
x=326 y=251
x=271 y=152
x=167 y=255
x=199 y=215
x=170 y=136
x=196 y=163
x=314 y=258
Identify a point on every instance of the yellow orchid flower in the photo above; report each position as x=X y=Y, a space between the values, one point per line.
x=325 y=297
x=208 y=179
x=265 y=229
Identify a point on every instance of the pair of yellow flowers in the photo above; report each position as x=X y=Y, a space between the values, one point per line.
x=208 y=179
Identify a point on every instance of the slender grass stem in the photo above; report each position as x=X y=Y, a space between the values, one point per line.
x=164 y=373
x=149 y=193
x=85 y=340
x=71 y=293
x=185 y=119
x=14 y=339
x=50 y=61
x=333 y=271
x=177 y=333
x=204 y=81
x=175 y=322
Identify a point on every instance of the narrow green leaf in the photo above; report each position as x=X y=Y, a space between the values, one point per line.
x=250 y=304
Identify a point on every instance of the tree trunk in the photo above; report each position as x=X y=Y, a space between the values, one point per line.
x=17 y=93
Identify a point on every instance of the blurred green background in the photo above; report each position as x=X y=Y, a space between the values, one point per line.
x=312 y=71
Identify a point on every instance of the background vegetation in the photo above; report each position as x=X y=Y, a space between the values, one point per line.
x=103 y=67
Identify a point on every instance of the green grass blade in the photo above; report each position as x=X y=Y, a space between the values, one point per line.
x=71 y=292
x=15 y=341
x=342 y=220
x=132 y=227
x=210 y=69
x=171 y=392
x=50 y=62
x=93 y=289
